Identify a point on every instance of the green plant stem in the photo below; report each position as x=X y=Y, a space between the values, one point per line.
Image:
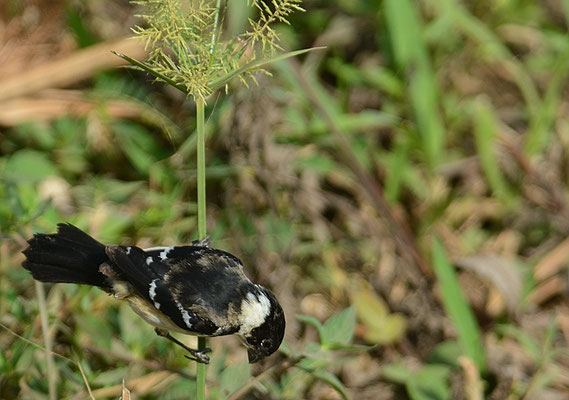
x=200 y=112
x=51 y=371
x=214 y=35
x=202 y=227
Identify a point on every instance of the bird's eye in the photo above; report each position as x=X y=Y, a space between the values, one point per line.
x=266 y=343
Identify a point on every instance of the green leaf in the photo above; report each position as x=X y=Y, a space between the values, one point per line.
x=314 y=358
x=381 y=326
x=310 y=320
x=225 y=79
x=429 y=383
x=339 y=329
x=446 y=353
x=28 y=166
x=396 y=372
x=457 y=308
x=331 y=380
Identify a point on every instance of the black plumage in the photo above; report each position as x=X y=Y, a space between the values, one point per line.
x=190 y=289
x=71 y=256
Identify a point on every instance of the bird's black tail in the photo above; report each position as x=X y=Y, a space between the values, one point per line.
x=70 y=256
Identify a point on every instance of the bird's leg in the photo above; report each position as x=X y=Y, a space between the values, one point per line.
x=205 y=242
x=196 y=355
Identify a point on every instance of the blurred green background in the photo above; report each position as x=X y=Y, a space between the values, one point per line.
x=405 y=188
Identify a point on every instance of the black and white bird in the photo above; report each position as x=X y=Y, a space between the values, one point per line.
x=196 y=290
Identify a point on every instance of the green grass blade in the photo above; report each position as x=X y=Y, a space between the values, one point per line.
x=411 y=56
x=224 y=80
x=398 y=163
x=404 y=31
x=149 y=70
x=425 y=100
x=528 y=344
x=457 y=308
x=541 y=123
x=493 y=48
x=485 y=127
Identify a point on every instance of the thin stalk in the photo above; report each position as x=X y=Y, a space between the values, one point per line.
x=51 y=371
x=202 y=227
x=214 y=34
x=200 y=112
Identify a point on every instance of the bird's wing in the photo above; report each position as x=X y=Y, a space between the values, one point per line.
x=195 y=255
x=208 y=282
x=152 y=278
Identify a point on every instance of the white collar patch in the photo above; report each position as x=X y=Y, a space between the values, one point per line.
x=254 y=311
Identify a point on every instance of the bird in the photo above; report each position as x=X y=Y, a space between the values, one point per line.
x=193 y=289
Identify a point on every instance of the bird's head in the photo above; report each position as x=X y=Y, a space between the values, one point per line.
x=263 y=324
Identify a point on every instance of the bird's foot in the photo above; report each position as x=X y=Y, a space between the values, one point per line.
x=195 y=355
x=205 y=242
x=198 y=355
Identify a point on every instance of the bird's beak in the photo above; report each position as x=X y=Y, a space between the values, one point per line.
x=253 y=356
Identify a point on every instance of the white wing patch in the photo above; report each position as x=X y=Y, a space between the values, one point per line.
x=164 y=253
x=152 y=293
x=185 y=315
x=128 y=249
x=149 y=260
x=254 y=310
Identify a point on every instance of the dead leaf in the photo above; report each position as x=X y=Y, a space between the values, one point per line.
x=503 y=274
x=552 y=262
x=125 y=392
